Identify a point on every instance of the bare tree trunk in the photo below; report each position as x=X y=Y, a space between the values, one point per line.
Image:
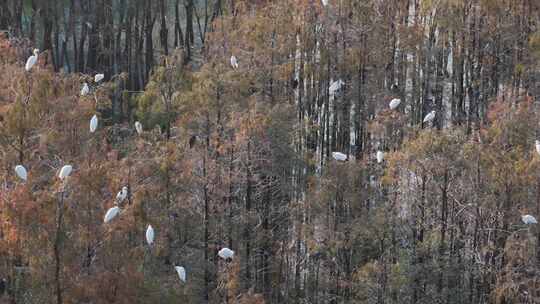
x=189 y=28
x=163 y=32
x=247 y=227
x=149 y=52
x=57 y=249
x=178 y=34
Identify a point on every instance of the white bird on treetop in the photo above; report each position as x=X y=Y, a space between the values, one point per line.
x=181 y=273
x=32 y=60
x=234 y=62
x=537 y=146
x=528 y=219
x=122 y=194
x=430 y=116
x=21 y=172
x=336 y=86
x=138 y=127
x=85 y=89
x=98 y=77
x=111 y=213
x=394 y=103
x=65 y=171
x=380 y=156
x=93 y=124
x=325 y=2
x=226 y=253
x=339 y=156
x=150 y=235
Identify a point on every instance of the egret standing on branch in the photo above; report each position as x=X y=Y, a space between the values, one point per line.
x=111 y=213
x=394 y=103
x=32 y=60
x=537 y=146
x=138 y=127
x=93 y=124
x=65 y=171
x=234 y=62
x=85 y=89
x=380 y=156
x=21 y=172
x=429 y=117
x=98 y=77
x=150 y=235
x=339 y=156
x=121 y=195
x=181 y=273
x=226 y=253
x=336 y=86
x=528 y=219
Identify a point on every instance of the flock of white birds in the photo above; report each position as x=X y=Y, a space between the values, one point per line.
x=394 y=103
x=65 y=171
x=224 y=253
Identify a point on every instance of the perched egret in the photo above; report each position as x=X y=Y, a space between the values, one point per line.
x=21 y=172
x=181 y=273
x=336 y=86
x=528 y=219
x=380 y=156
x=138 y=127
x=85 y=89
x=325 y=2
x=111 y=213
x=93 y=124
x=65 y=171
x=122 y=194
x=430 y=116
x=234 y=62
x=98 y=78
x=226 y=253
x=394 y=103
x=537 y=145
x=150 y=235
x=32 y=60
x=339 y=156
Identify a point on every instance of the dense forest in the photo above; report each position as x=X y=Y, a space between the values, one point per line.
x=269 y=151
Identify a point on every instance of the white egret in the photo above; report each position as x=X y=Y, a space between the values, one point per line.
x=528 y=219
x=394 y=103
x=537 y=146
x=138 y=127
x=93 y=124
x=21 y=172
x=98 y=77
x=339 y=156
x=111 y=213
x=430 y=116
x=226 y=253
x=181 y=273
x=380 y=156
x=122 y=194
x=85 y=89
x=234 y=62
x=336 y=86
x=150 y=235
x=32 y=60
x=65 y=171
x=325 y=2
